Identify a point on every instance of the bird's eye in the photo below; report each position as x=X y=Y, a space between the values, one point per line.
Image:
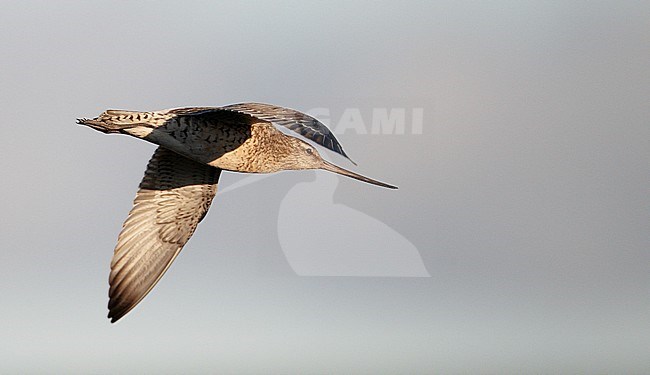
x=309 y=151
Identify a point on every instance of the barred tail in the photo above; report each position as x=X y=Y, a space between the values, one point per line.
x=114 y=121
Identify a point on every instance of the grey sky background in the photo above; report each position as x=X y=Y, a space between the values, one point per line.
x=527 y=194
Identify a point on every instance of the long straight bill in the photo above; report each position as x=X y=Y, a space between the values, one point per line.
x=336 y=169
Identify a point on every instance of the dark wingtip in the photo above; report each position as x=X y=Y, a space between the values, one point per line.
x=114 y=316
x=115 y=312
x=346 y=155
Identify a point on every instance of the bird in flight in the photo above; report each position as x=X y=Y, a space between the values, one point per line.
x=195 y=145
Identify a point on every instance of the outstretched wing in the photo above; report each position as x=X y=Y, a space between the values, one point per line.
x=298 y=122
x=173 y=198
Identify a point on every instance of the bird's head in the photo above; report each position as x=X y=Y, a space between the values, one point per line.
x=304 y=156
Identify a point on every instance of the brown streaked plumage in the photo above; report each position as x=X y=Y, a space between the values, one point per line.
x=196 y=144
